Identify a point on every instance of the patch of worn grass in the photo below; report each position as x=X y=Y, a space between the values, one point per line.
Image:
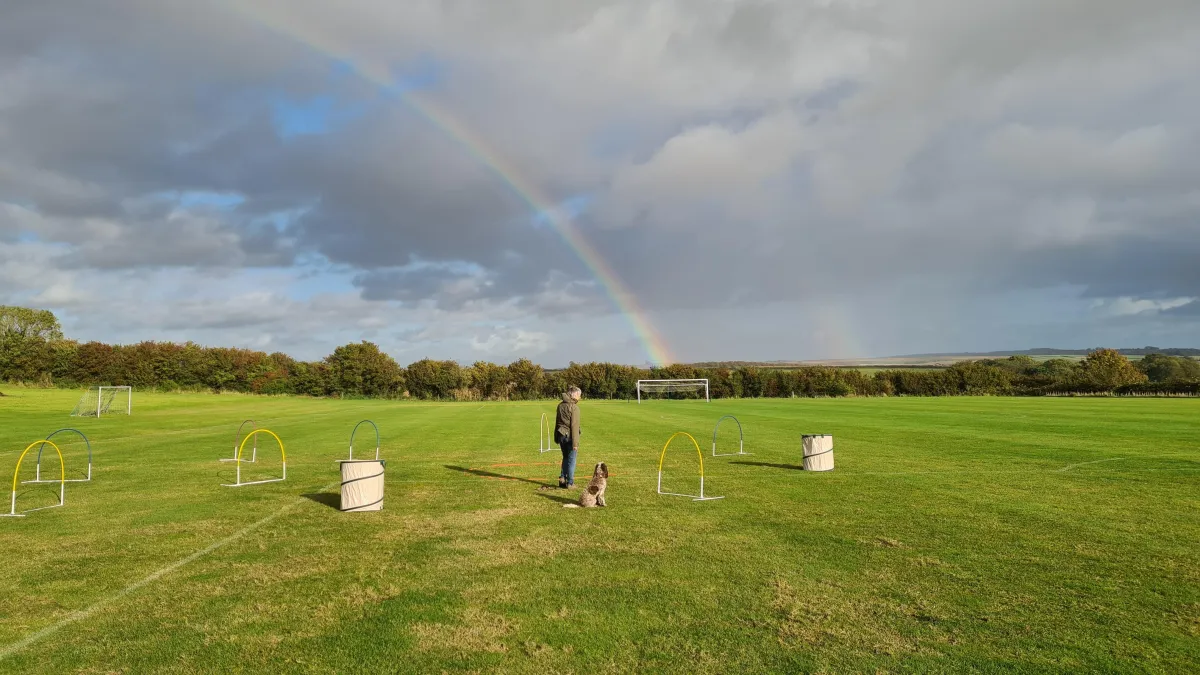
x=955 y=535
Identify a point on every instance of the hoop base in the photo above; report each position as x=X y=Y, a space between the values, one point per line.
x=254 y=482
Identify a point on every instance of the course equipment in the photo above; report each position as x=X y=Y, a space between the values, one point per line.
x=355 y=431
x=700 y=455
x=238 y=460
x=362 y=485
x=237 y=439
x=545 y=432
x=669 y=386
x=37 y=477
x=62 y=482
x=741 y=439
x=97 y=401
x=818 y=452
x=362 y=479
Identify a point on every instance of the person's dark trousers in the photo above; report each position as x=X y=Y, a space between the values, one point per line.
x=567 y=475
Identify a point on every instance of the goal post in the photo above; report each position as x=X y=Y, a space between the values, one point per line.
x=97 y=401
x=670 y=386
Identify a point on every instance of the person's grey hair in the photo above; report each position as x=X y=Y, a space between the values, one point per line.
x=574 y=391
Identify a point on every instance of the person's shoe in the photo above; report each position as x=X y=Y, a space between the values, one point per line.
x=562 y=485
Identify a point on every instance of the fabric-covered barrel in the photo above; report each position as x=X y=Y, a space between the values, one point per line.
x=818 y=452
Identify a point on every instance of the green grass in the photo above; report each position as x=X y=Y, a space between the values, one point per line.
x=955 y=535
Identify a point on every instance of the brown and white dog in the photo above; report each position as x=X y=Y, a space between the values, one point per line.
x=593 y=494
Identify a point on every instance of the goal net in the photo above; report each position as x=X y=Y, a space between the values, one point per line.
x=99 y=401
x=693 y=389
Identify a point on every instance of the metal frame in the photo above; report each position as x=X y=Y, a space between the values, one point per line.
x=237 y=437
x=355 y=431
x=239 y=460
x=128 y=399
x=100 y=407
x=696 y=380
x=62 y=482
x=701 y=497
x=741 y=439
x=544 y=430
x=38 y=473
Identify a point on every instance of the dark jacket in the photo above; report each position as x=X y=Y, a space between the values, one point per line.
x=567 y=422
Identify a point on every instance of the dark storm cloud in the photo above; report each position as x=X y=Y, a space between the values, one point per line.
x=742 y=155
x=1190 y=310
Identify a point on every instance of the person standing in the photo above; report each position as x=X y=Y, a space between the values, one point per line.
x=566 y=434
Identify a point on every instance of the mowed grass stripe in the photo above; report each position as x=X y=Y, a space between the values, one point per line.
x=949 y=538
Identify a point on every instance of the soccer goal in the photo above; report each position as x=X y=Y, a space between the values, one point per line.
x=670 y=387
x=99 y=401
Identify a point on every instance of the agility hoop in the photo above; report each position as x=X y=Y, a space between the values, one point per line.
x=699 y=455
x=355 y=431
x=237 y=439
x=238 y=460
x=62 y=482
x=741 y=439
x=545 y=432
x=38 y=472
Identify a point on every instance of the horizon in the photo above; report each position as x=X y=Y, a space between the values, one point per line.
x=629 y=182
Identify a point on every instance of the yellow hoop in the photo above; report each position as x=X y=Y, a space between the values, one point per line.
x=673 y=437
x=62 y=467
x=252 y=434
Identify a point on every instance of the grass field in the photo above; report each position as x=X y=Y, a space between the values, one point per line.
x=955 y=535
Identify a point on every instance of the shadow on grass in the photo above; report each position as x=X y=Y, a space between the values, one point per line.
x=793 y=467
x=491 y=474
x=557 y=498
x=331 y=499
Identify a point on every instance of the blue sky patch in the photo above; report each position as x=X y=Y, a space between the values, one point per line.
x=317 y=115
x=572 y=208
x=426 y=72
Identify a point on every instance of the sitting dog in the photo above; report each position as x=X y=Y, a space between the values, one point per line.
x=593 y=494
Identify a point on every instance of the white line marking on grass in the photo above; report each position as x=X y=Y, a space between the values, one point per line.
x=101 y=604
x=1098 y=461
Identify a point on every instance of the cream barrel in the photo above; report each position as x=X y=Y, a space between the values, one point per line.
x=362 y=485
x=818 y=452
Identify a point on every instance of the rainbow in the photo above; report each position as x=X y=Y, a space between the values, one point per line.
x=477 y=147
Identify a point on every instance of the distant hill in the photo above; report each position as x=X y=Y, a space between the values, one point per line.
x=1050 y=351
x=944 y=360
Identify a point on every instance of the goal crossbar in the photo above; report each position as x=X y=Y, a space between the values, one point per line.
x=668 y=386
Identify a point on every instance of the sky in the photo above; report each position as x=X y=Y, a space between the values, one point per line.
x=741 y=180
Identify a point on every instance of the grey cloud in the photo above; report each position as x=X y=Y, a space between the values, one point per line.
x=748 y=155
x=1190 y=310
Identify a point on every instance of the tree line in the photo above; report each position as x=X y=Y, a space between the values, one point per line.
x=34 y=351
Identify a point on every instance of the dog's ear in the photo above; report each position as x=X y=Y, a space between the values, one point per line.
x=603 y=468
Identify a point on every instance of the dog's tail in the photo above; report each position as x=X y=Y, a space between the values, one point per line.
x=571 y=506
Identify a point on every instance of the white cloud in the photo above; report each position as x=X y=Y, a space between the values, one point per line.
x=512 y=341
x=1056 y=157
x=1127 y=306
